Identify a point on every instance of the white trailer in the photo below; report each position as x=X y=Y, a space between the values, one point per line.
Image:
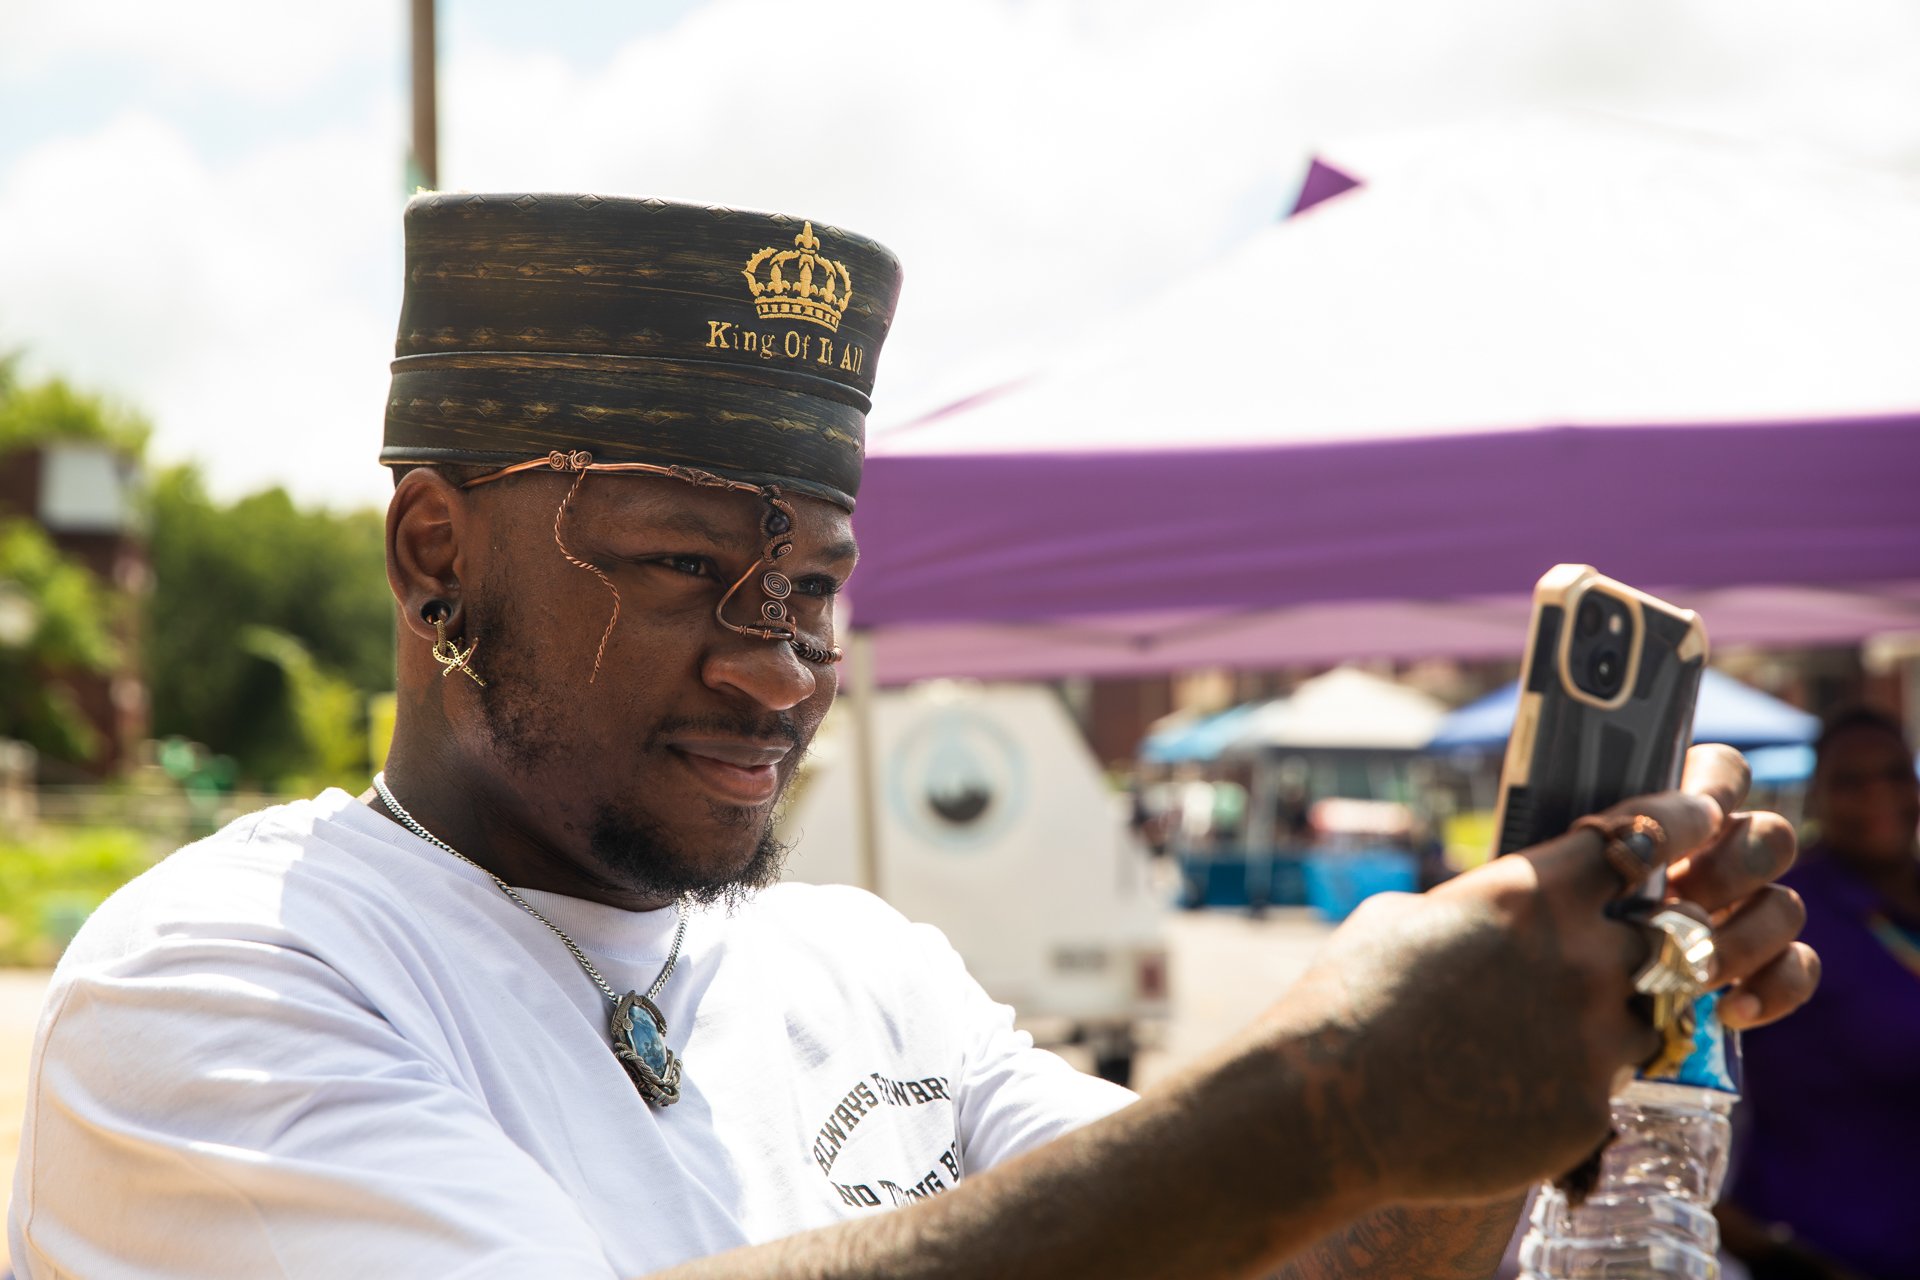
x=990 y=820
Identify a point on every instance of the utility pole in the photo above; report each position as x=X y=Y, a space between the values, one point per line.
x=423 y=161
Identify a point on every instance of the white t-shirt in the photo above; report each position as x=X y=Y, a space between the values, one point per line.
x=314 y=1045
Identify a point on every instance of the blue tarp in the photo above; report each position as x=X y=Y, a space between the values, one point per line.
x=1728 y=711
x=1786 y=766
x=1780 y=766
x=1197 y=740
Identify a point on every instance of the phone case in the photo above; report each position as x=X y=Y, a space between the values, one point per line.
x=1573 y=751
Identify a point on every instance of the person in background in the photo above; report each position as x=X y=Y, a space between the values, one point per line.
x=1829 y=1170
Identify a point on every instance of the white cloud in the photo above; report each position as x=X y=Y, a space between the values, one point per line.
x=266 y=51
x=243 y=310
x=1035 y=163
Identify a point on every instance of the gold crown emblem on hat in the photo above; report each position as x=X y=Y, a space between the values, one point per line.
x=799 y=283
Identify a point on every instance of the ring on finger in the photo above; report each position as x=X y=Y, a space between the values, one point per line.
x=1676 y=973
x=1631 y=843
x=1682 y=960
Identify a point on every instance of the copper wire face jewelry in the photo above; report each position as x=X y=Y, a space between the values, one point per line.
x=775 y=621
x=449 y=655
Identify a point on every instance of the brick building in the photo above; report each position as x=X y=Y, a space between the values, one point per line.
x=86 y=496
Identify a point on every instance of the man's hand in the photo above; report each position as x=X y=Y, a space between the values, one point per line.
x=1484 y=1026
x=1448 y=1047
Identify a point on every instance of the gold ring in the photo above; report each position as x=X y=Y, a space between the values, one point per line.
x=1682 y=962
x=1674 y=977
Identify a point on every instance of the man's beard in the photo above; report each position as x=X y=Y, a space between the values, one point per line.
x=635 y=850
x=640 y=856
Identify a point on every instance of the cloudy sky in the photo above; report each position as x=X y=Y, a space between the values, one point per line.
x=199 y=202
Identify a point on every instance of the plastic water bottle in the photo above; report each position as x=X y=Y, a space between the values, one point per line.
x=1650 y=1215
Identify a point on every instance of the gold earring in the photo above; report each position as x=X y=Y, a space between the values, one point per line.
x=445 y=652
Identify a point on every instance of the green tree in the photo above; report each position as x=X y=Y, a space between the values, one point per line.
x=268 y=626
x=39 y=412
x=67 y=630
x=66 y=613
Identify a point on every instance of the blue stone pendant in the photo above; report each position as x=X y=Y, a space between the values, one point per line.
x=640 y=1042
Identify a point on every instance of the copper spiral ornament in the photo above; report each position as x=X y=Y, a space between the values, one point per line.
x=777 y=526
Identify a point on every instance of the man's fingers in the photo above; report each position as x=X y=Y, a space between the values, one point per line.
x=1713 y=785
x=1758 y=932
x=1690 y=820
x=1687 y=819
x=1773 y=992
x=1719 y=773
x=1751 y=852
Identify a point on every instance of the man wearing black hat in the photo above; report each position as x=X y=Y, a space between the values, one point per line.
x=529 y=1007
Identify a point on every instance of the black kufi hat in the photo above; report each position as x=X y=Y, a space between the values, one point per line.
x=640 y=331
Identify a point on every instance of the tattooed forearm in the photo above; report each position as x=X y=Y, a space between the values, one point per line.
x=1438 y=1243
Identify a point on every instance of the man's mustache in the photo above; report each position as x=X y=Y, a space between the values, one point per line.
x=775 y=726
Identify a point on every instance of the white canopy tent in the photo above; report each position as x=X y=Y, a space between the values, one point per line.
x=1344 y=709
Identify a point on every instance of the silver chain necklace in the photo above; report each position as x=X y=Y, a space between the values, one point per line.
x=639 y=1042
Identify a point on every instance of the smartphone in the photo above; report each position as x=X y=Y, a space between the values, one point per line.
x=1606 y=703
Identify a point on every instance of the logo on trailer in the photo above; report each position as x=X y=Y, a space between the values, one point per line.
x=957 y=779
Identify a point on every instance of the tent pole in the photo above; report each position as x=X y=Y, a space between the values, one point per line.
x=863 y=694
x=1263 y=799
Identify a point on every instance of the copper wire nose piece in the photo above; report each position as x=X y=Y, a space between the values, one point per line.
x=778 y=621
x=815 y=654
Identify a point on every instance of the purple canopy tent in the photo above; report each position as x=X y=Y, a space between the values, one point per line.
x=1368 y=430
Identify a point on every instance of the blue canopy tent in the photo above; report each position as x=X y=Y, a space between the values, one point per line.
x=1196 y=741
x=1728 y=711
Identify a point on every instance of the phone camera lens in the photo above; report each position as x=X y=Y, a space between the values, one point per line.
x=1590 y=618
x=1605 y=670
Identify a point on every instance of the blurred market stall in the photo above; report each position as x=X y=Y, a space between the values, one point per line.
x=1324 y=820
